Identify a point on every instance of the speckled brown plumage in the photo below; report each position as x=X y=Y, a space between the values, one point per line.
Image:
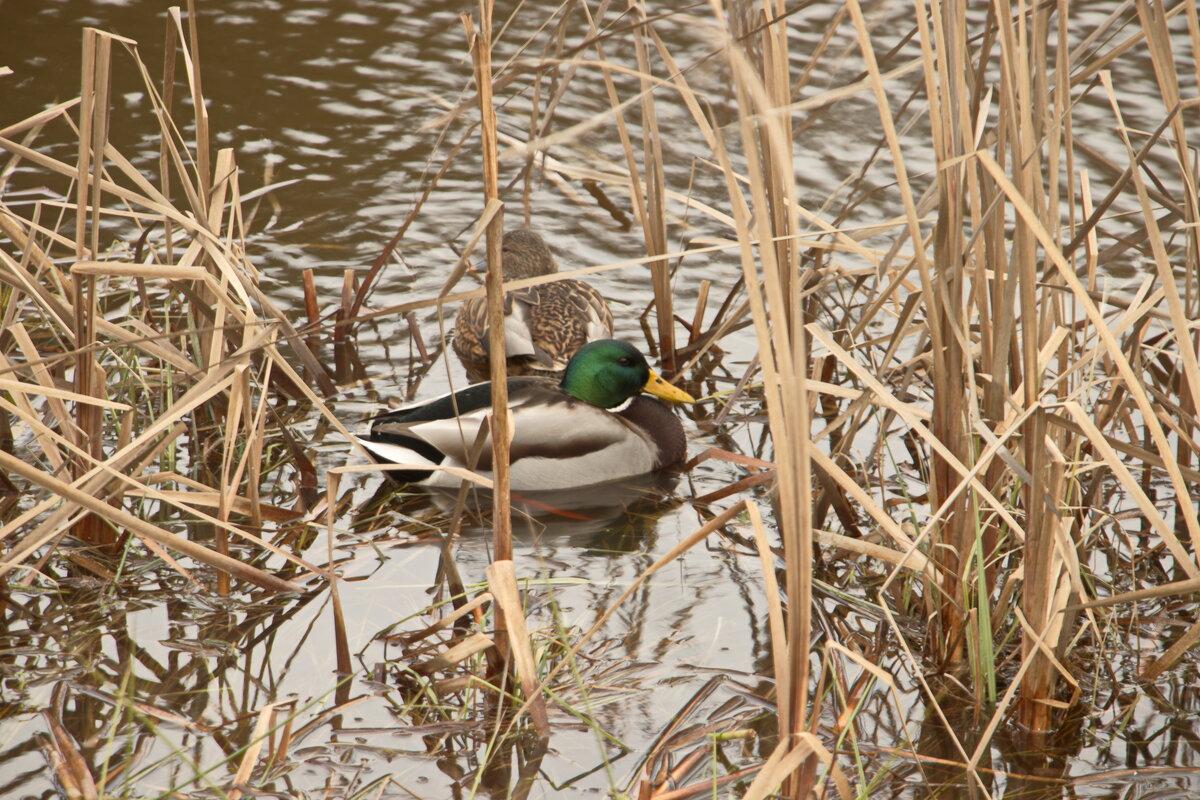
x=544 y=325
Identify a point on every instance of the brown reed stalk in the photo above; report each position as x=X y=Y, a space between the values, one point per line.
x=766 y=222
x=1043 y=596
x=1045 y=591
x=1182 y=306
x=170 y=49
x=941 y=292
x=480 y=42
x=511 y=645
x=645 y=183
x=199 y=109
x=653 y=218
x=93 y=135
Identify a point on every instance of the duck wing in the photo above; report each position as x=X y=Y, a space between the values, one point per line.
x=470 y=328
x=543 y=324
x=556 y=319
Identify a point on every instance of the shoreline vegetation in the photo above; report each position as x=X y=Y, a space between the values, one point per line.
x=990 y=452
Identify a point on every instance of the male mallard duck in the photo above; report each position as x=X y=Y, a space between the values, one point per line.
x=543 y=325
x=593 y=426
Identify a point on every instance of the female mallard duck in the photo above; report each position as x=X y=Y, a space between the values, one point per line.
x=543 y=325
x=593 y=426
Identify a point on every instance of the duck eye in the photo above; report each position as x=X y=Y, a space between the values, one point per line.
x=625 y=361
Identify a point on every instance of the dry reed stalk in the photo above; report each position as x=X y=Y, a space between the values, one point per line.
x=167 y=99
x=1034 y=142
x=647 y=200
x=480 y=44
x=206 y=206
x=766 y=222
x=510 y=645
x=1046 y=590
x=344 y=310
x=653 y=218
x=788 y=758
x=251 y=463
x=47 y=440
x=775 y=613
x=69 y=763
x=93 y=137
x=941 y=290
x=311 y=307
x=340 y=639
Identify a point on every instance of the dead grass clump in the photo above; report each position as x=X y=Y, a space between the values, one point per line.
x=144 y=375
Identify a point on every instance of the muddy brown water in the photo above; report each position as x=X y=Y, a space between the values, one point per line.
x=343 y=97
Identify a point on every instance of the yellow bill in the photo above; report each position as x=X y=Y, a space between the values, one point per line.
x=656 y=386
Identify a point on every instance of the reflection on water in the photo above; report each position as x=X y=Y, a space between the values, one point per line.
x=609 y=509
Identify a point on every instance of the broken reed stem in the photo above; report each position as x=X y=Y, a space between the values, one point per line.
x=502 y=582
x=203 y=152
x=234 y=419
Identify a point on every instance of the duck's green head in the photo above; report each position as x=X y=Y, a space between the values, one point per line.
x=608 y=372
